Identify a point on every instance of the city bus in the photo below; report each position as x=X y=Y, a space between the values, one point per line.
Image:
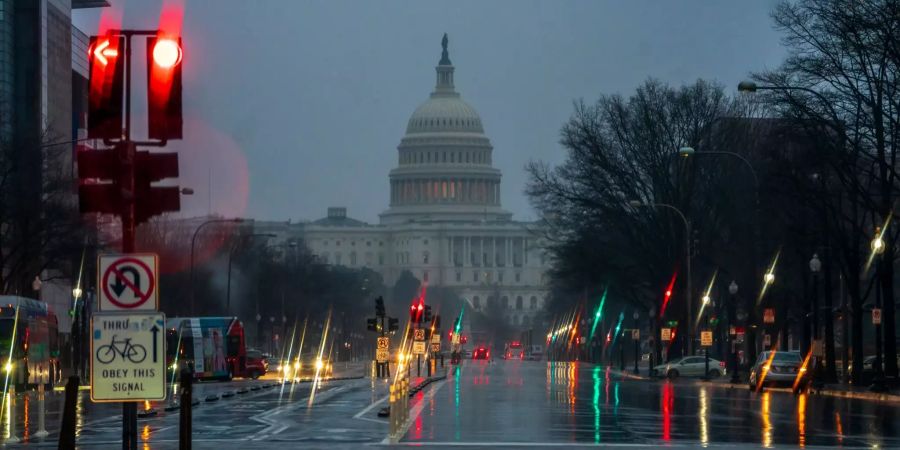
x=29 y=341
x=213 y=347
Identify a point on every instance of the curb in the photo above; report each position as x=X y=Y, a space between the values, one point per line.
x=873 y=396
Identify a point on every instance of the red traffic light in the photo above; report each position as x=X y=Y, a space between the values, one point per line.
x=167 y=53
x=103 y=51
x=668 y=293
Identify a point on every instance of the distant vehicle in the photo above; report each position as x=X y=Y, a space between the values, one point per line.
x=481 y=353
x=514 y=350
x=535 y=353
x=256 y=365
x=35 y=345
x=307 y=366
x=213 y=347
x=689 y=366
x=784 y=368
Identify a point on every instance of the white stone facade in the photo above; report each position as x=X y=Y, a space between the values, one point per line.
x=445 y=223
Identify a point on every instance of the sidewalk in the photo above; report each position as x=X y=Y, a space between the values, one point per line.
x=859 y=393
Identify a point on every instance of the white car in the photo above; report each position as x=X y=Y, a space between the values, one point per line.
x=689 y=366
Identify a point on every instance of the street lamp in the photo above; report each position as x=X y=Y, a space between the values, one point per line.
x=193 y=241
x=877 y=366
x=687 y=258
x=686 y=152
x=637 y=341
x=769 y=278
x=228 y=283
x=732 y=306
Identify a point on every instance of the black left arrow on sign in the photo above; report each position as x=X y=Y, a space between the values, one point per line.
x=120 y=286
x=154 y=330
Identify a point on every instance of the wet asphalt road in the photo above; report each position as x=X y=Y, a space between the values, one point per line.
x=544 y=404
x=503 y=404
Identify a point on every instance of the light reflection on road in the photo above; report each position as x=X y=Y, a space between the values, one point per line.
x=766 y=419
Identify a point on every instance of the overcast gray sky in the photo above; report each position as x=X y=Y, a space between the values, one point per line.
x=293 y=106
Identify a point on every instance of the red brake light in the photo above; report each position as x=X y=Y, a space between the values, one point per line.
x=721 y=363
x=166 y=53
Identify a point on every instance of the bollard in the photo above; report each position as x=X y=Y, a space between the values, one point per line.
x=67 y=428
x=42 y=413
x=184 y=419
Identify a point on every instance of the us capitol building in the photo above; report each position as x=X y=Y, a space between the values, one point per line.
x=445 y=224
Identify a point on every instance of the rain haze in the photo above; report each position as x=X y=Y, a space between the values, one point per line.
x=294 y=106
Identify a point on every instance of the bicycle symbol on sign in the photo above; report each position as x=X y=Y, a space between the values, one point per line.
x=136 y=353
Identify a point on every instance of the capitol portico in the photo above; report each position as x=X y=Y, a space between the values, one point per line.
x=445 y=223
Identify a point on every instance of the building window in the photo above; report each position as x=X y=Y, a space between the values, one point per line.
x=458 y=276
x=504 y=302
x=533 y=302
x=500 y=276
x=337 y=243
x=325 y=257
x=518 y=277
x=352 y=258
x=425 y=242
x=476 y=302
x=353 y=243
x=519 y=303
x=380 y=259
x=368 y=243
x=337 y=259
x=425 y=276
x=475 y=276
x=369 y=257
x=325 y=243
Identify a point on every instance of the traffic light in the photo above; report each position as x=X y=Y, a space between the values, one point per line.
x=106 y=86
x=372 y=324
x=164 y=56
x=111 y=181
x=379 y=307
x=416 y=311
x=393 y=324
x=427 y=316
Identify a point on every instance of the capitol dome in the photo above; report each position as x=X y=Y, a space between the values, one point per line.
x=445 y=167
x=444 y=113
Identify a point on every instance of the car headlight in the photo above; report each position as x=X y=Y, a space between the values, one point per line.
x=287 y=370
x=8 y=367
x=297 y=365
x=175 y=366
x=319 y=364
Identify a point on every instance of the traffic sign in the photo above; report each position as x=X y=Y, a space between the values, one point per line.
x=435 y=347
x=128 y=356
x=419 y=334
x=128 y=282
x=418 y=348
x=666 y=334
x=706 y=338
x=769 y=315
x=767 y=340
x=382 y=355
x=436 y=338
x=455 y=339
x=636 y=334
x=384 y=342
x=876 y=316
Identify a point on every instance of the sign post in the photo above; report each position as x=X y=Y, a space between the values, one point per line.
x=128 y=357
x=876 y=316
x=665 y=334
x=706 y=338
x=382 y=349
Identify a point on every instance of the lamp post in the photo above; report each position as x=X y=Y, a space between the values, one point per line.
x=193 y=241
x=654 y=339
x=228 y=283
x=732 y=320
x=687 y=152
x=637 y=341
x=707 y=302
x=687 y=263
x=877 y=367
x=815 y=266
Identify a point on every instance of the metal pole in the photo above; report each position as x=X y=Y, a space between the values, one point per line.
x=185 y=417
x=687 y=250
x=42 y=411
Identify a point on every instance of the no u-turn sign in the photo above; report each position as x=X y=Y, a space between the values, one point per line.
x=128 y=282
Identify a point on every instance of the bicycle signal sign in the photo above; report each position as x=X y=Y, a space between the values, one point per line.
x=128 y=356
x=128 y=282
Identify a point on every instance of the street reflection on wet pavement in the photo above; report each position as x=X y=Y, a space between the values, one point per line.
x=554 y=403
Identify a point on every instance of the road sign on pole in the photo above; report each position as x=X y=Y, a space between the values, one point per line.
x=419 y=334
x=128 y=356
x=876 y=316
x=636 y=334
x=384 y=342
x=706 y=338
x=435 y=347
x=382 y=355
x=769 y=315
x=128 y=282
x=418 y=348
x=666 y=334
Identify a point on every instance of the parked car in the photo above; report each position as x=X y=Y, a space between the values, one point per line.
x=783 y=368
x=257 y=366
x=689 y=366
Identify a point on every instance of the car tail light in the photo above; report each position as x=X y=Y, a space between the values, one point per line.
x=721 y=363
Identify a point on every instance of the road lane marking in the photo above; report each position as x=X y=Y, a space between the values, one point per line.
x=369 y=408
